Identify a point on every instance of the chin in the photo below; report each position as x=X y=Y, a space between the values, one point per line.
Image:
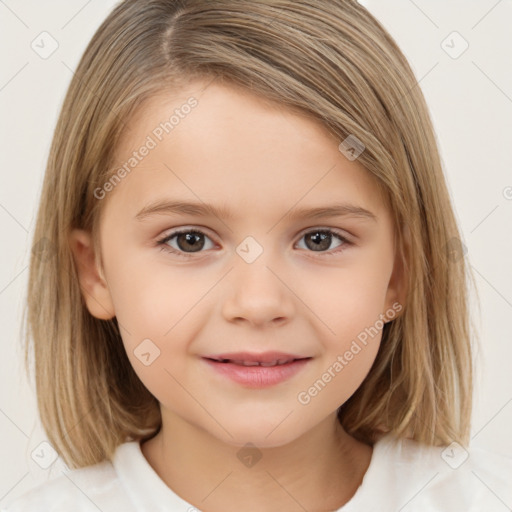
x=259 y=434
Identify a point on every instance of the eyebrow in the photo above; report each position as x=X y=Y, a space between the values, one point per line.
x=166 y=207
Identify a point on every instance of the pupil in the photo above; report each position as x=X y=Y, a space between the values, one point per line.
x=189 y=239
x=321 y=241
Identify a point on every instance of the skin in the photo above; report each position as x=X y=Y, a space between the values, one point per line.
x=261 y=161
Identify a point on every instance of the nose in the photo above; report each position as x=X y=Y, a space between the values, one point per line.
x=258 y=295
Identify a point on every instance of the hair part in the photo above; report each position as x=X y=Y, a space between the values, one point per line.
x=331 y=61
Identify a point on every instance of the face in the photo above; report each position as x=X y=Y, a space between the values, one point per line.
x=253 y=274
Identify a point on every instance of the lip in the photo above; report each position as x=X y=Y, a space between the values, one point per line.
x=264 y=357
x=257 y=376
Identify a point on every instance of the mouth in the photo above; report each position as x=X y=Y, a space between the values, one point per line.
x=241 y=362
x=257 y=370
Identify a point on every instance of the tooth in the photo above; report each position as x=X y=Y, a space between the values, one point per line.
x=257 y=363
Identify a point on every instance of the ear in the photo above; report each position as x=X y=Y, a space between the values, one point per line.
x=396 y=294
x=92 y=283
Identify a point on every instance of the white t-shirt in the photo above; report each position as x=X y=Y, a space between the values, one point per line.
x=403 y=476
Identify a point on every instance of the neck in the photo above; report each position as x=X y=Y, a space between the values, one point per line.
x=321 y=470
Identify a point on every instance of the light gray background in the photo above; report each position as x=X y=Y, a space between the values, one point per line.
x=470 y=98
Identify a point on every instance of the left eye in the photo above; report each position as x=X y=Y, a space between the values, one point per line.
x=188 y=241
x=319 y=239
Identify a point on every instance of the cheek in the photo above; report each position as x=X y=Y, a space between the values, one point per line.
x=349 y=302
x=339 y=379
x=151 y=297
x=158 y=309
x=348 y=298
x=155 y=305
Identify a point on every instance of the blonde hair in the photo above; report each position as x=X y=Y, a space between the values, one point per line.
x=330 y=60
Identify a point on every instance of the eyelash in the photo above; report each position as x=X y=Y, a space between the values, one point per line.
x=164 y=247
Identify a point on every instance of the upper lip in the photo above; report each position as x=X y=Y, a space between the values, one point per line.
x=252 y=357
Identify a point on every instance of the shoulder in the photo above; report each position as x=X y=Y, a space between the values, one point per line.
x=86 y=489
x=448 y=478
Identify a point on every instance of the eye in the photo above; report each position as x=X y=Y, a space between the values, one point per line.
x=185 y=242
x=318 y=240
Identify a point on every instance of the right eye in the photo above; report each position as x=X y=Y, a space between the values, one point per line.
x=184 y=242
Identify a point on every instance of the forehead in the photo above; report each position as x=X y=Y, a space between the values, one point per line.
x=223 y=145
x=213 y=110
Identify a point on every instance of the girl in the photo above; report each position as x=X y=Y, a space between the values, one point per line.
x=313 y=351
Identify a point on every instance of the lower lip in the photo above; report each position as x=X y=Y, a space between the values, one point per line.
x=258 y=376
